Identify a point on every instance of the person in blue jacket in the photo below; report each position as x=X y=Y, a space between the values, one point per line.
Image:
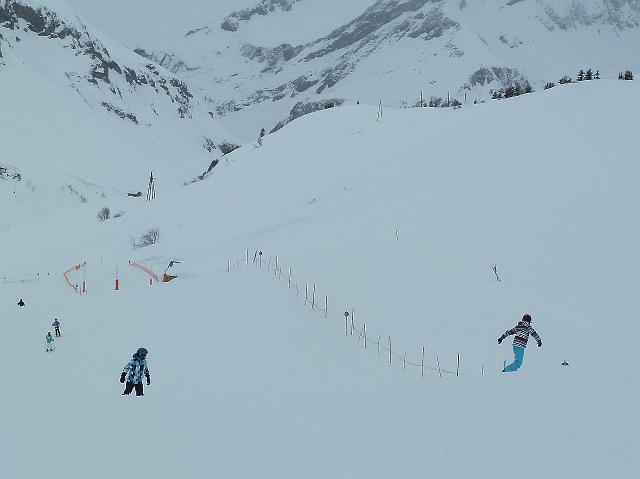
x=134 y=371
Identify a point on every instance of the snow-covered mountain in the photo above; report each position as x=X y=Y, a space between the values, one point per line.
x=260 y=64
x=91 y=113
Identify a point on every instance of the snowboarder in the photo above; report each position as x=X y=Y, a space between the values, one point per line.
x=20 y=303
x=522 y=331
x=56 y=324
x=133 y=372
x=49 y=339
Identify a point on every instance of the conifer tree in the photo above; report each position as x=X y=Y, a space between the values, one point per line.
x=588 y=75
x=580 y=75
x=597 y=75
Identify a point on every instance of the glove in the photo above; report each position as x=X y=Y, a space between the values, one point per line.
x=148 y=380
x=499 y=340
x=122 y=376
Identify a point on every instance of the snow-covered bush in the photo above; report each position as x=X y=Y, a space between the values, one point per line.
x=104 y=214
x=150 y=237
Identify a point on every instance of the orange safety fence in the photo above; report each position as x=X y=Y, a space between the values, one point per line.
x=73 y=268
x=146 y=269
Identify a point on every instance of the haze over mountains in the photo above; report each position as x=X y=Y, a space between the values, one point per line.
x=272 y=55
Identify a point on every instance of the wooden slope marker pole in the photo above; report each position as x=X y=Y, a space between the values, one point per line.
x=422 y=362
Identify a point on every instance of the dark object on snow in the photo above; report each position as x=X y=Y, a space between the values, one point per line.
x=564 y=363
x=130 y=386
x=122 y=376
x=135 y=195
x=166 y=277
x=20 y=303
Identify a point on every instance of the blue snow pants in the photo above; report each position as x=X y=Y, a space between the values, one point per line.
x=518 y=354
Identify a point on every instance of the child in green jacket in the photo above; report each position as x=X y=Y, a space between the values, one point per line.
x=49 y=340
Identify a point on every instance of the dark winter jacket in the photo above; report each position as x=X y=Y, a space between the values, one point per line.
x=135 y=369
x=522 y=332
x=56 y=324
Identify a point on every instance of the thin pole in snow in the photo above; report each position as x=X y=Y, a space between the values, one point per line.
x=247 y=257
x=289 y=277
x=276 y=265
x=326 y=306
x=378 y=344
x=390 y=357
x=306 y=294
x=352 y=323
x=482 y=370
x=365 y=335
x=439 y=370
x=458 y=366
x=404 y=361
x=260 y=254
x=228 y=266
x=422 y=362
x=313 y=298
x=346 y=323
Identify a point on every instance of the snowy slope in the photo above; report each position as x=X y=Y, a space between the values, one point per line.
x=247 y=381
x=88 y=117
x=258 y=62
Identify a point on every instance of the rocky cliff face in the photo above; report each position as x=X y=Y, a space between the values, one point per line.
x=114 y=82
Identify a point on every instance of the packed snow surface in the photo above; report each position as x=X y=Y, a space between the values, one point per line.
x=398 y=221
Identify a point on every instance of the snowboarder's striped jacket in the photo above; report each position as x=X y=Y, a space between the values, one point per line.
x=135 y=369
x=522 y=332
